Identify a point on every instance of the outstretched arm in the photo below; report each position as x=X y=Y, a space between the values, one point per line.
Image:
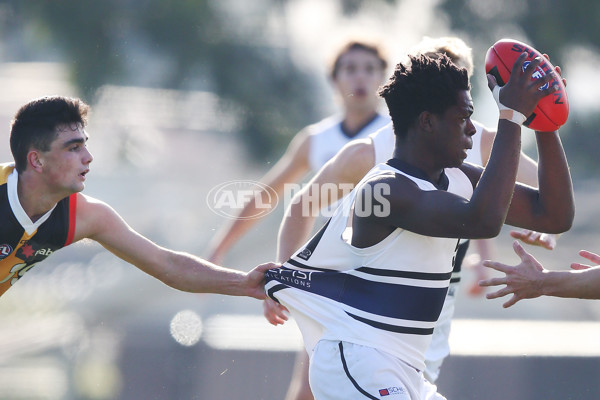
x=529 y=279
x=289 y=169
x=98 y=221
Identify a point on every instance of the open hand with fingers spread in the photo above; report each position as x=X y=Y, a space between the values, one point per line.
x=523 y=281
x=529 y=279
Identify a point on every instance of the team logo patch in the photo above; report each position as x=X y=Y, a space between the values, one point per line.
x=305 y=254
x=5 y=250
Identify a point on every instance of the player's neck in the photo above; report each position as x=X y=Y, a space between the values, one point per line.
x=34 y=197
x=356 y=120
x=409 y=153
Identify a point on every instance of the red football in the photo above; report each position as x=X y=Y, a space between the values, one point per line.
x=552 y=111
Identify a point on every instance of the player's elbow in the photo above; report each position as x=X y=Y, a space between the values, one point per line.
x=560 y=223
x=489 y=226
x=490 y=230
x=566 y=222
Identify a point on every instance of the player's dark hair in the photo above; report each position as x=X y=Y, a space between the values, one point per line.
x=36 y=124
x=376 y=50
x=422 y=84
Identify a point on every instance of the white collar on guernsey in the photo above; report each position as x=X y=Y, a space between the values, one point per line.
x=15 y=205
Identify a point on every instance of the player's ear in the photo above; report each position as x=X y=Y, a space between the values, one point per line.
x=35 y=161
x=425 y=121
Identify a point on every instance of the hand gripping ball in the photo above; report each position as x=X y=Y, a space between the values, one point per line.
x=552 y=111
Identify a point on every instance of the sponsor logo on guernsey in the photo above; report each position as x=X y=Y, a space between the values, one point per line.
x=30 y=252
x=392 y=390
x=5 y=250
x=291 y=277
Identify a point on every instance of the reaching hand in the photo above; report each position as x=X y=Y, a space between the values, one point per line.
x=593 y=257
x=523 y=280
x=274 y=312
x=545 y=240
x=255 y=280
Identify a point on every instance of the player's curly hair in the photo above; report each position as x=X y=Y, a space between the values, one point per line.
x=422 y=84
x=36 y=124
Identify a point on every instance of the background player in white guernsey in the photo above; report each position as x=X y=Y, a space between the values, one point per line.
x=366 y=298
x=348 y=167
x=41 y=209
x=357 y=70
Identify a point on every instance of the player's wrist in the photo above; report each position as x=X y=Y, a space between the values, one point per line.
x=508 y=113
x=513 y=116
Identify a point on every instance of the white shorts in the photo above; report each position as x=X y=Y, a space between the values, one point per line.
x=348 y=371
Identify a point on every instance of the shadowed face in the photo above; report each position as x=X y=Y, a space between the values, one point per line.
x=453 y=131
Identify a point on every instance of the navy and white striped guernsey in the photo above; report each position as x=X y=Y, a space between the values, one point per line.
x=387 y=296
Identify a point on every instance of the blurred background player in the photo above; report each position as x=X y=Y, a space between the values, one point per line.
x=357 y=70
x=42 y=209
x=349 y=166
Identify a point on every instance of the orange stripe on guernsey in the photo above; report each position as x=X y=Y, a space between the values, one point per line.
x=17 y=266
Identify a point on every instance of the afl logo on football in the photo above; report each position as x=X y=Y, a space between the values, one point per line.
x=5 y=250
x=229 y=198
x=537 y=74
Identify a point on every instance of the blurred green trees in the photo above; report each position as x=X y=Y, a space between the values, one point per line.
x=235 y=49
x=188 y=44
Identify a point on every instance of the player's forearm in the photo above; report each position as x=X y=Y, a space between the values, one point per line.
x=492 y=196
x=555 y=199
x=192 y=274
x=584 y=284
